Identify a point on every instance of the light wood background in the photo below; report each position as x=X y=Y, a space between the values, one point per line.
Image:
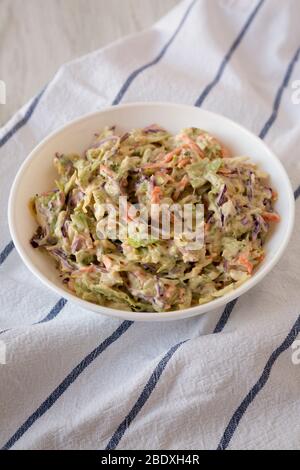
x=37 y=36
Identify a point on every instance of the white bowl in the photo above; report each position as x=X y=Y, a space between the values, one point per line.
x=37 y=175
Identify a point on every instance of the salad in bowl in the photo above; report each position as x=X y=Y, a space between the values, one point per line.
x=138 y=269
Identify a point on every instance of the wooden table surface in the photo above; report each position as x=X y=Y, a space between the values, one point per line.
x=37 y=36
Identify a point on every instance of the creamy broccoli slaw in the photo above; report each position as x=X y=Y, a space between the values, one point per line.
x=150 y=166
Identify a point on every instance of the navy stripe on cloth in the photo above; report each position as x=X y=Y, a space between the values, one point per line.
x=144 y=396
x=141 y=69
x=54 y=311
x=234 y=422
x=50 y=316
x=117 y=99
x=228 y=56
x=23 y=120
x=65 y=384
x=225 y=316
x=230 y=306
x=152 y=382
x=278 y=98
x=9 y=134
x=6 y=251
x=240 y=411
x=76 y=372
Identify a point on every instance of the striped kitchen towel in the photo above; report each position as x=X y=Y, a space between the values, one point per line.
x=228 y=379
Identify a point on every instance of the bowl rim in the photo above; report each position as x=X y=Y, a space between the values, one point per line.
x=150 y=316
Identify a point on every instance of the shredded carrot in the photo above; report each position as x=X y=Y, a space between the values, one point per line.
x=261 y=258
x=224 y=171
x=206 y=227
x=181 y=186
x=183 y=182
x=157 y=165
x=225 y=152
x=184 y=162
x=192 y=145
x=156 y=195
x=140 y=275
x=107 y=170
x=169 y=291
x=165 y=162
x=169 y=156
x=271 y=216
x=128 y=216
x=165 y=176
x=243 y=260
x=87 y=269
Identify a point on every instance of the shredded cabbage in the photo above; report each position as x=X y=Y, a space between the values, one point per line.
x=152 y=166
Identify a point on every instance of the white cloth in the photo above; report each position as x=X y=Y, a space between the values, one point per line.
x=73 y=381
